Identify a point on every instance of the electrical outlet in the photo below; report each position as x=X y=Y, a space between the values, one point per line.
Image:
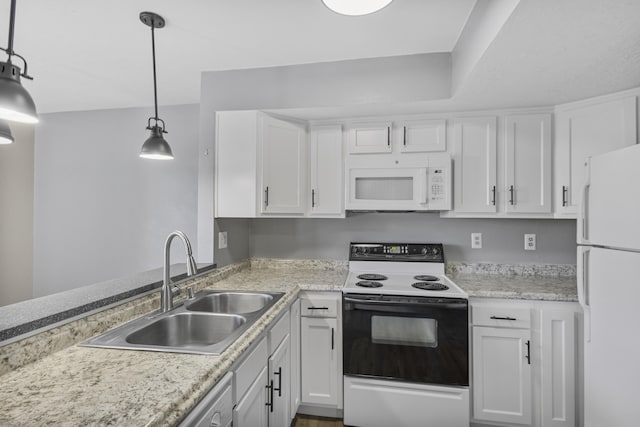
x=476 y=240
x=222 y=240
x=530 y=242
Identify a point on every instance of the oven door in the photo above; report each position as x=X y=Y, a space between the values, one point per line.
x=415 y=339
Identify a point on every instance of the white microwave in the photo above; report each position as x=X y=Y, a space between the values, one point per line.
x=394 y=186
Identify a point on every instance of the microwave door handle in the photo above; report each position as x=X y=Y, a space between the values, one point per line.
x=424 y=194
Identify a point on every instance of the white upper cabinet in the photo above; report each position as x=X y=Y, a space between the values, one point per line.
x=326 y=172
x=587 y=131
x=236 y=164
x=423 y=136
x=282 y=151
x=528 y=163
x=474 y=158
x=370 y=138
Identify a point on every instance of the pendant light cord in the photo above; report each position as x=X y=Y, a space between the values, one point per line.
x=12 y=22
x=153 y=54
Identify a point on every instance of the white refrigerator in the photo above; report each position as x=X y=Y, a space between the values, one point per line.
x=609 y=288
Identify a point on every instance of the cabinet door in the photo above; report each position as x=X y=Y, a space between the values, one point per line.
x=295 y=358
x=279 y=373
x=528 y=164
x=558 y=368
x=327 y=171
x=474 y=164
x=585 y=132
x=236 y=164
x=370 y=138
x=319 y=361
x=252 y=410
x=502 y=375
x=283 y=154
x=424 y=136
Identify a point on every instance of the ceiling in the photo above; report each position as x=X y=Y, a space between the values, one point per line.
x=95 y=54
x=91 y=54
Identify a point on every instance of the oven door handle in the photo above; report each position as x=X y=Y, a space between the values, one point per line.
x=375 y=303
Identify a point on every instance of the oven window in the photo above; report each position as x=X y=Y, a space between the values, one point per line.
x=384 y=188
x=419 y=332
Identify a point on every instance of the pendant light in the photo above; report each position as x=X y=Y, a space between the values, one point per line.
x=5 y=133
x=15 y=102
x=356 y=7
x=155 y=147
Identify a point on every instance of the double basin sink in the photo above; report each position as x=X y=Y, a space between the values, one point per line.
x=205 y=324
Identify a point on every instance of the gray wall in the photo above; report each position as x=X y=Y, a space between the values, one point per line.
x=399 y=79
x=101 y=212
x=16 y=216
x=503 y=239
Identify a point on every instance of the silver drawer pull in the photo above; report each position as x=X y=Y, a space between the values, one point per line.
x=502 y=318
x=317 y=308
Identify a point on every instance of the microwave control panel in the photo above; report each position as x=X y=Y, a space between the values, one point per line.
x=438 y=187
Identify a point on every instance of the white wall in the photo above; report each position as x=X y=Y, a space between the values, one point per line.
x=101 y=212
x=16 y=216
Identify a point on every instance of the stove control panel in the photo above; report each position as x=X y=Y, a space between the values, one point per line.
x=417 y=252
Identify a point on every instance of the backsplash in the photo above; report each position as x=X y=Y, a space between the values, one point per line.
x=550 y=270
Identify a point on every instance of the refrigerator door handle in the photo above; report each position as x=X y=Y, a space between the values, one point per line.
x=583 y=288
x=583 y=214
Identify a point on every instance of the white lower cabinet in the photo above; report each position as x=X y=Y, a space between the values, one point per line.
x=279 y=384
x=502 y=375
x=295 y=358
x=524 y=363
x=215 y=409
x=262 y=381
x=321 y=350
x=251 y=410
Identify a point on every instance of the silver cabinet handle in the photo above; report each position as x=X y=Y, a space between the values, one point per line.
x=313 y=198
x=565 y=189
x=404 y=137
x=216 y=420
x=528 y=356
x=388 y=136
x=493 y=195
x=266 y=197
x=511 y=191
x=317 y=308
x=332 y=339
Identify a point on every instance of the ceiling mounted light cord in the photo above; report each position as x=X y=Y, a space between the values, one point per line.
x=15 y=102
x=155 y=147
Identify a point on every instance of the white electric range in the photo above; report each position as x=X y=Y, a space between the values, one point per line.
x=405 y=338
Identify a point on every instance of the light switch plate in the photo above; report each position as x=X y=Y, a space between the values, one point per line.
x=530 y=242
x=222 y=240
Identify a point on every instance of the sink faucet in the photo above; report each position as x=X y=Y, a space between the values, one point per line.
x=166 y=293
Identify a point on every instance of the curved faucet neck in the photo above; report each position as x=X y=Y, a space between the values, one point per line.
x=166 y=297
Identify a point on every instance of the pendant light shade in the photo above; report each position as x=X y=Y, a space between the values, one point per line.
x=15 y=102
x=5 y=133
x=356 y=7
x=155 y=147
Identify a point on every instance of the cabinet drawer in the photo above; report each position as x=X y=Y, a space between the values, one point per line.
x=278 y=332
x=216 y=409
x=501 y=315
x=318 y=306
x=250 y=368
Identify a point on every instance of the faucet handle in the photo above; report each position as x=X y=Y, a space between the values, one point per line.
x=190 y=293
x=176 y=291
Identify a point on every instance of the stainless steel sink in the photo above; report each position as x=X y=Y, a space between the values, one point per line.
x=206 y=324
x=231 y=302
x=184 y=329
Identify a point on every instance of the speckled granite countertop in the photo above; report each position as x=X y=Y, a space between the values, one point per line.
x=541 y=282
x=80 y=386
